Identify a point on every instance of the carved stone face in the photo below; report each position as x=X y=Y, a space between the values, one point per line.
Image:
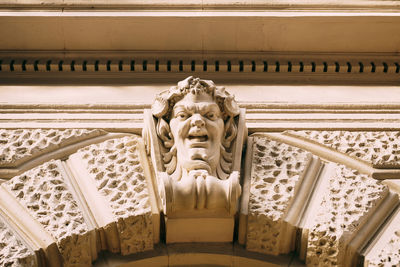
x=197 y=128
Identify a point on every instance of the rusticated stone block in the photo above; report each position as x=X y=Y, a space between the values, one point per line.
x=13 y=252
x=115 y=168
x=276 y=172
x=387 y=251
x=348 y=202
x=18 y=146
x=381 y=149
x=45 y=194
x=390 y=255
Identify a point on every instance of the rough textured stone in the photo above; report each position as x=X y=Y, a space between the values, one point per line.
x=348 y=202
x=276 y=169
x=389 y=255
x=18 y=146
x=44 y=193
x=13 y=253
x=381 y=149
x=115 y=167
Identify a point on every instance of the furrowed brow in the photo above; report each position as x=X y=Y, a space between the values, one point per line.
x=183 y=107
x=204 y=108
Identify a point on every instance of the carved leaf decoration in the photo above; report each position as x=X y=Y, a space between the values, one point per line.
x=221 y=174
x=220 y=92
x=163 y=131
x=226 y=166
x=169 y=143
x=185 y=84
x=231 y=107
x=160 y=106
x=226 y=155
x=167 y=157
x=231 y=131
x=171 y=166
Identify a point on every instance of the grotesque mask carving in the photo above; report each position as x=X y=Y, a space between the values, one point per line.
x=197 y=125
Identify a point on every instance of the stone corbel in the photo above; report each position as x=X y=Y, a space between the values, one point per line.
x=201 y=189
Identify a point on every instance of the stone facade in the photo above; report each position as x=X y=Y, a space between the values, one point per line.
x=48 y=195
x=316 y=82
x=346 y=200
x=45 y=194
x=13 y=251
x=82 y=184
x=350 y=200
x=118 y=175
x=277 y=171
x=18 y=146
x=380 y=149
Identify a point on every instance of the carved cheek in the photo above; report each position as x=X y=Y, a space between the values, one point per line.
x=179 y=129
x=174 y=126
x=216 y=129
x=220 y=128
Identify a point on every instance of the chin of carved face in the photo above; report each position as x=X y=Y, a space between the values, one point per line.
x=196 y=164
x=197 y=128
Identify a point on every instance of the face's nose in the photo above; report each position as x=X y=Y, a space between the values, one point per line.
x=197 y=120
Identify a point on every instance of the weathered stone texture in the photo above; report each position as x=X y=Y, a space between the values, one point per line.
x=381 y=149
x=44 y=193
x=18 y=146
x=136 y=233
x=13 y=253
x=389 y=255
x=351 y=197
x=276 y=170
x=76 y=250
x=116 y=169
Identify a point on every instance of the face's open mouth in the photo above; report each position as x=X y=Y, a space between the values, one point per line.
x=198 y=138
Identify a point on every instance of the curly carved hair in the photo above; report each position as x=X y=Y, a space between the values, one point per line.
x=165 y=101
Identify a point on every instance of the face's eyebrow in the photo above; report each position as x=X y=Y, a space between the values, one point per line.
x=183 y=107
x=207 y=107
x=178 y=106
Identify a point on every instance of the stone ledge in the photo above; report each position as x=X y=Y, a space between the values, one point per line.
x=199 y=254
x=200 y=31
x=208 y=4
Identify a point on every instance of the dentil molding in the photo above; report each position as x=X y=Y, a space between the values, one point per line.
x=259 y=67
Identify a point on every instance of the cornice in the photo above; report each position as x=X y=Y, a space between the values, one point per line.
x=204 y=4
x=257 y=67
x=287 y=31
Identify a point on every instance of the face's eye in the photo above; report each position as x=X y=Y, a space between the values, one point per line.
x=182 y=115
x=212 y=115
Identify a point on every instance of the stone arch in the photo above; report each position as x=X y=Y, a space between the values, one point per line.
x=97 y=194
